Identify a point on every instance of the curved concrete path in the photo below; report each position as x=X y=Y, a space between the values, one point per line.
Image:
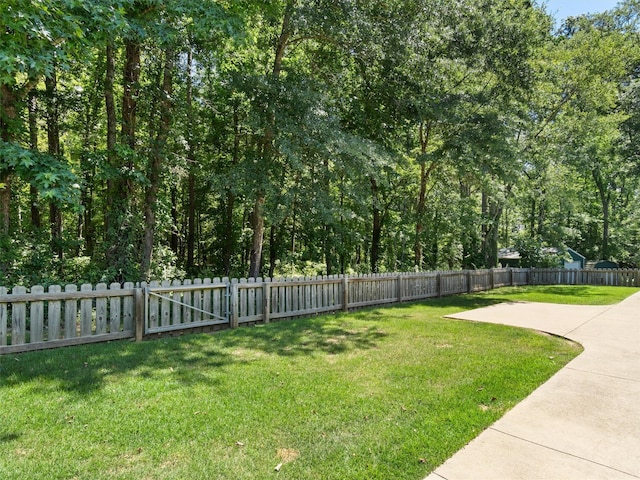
x=584 y=423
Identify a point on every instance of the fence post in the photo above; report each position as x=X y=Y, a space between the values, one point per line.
x=439 y=284
x=139 y=305
x=399 y=289
x=468 y=281
x=266 y=301
x=345 y=294
x=511 y=276
x=233 y=321
x=493 y=278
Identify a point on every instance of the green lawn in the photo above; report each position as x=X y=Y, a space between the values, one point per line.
x=380 y=393
x=568 y=294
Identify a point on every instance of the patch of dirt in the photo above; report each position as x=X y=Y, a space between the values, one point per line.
x=287 y=455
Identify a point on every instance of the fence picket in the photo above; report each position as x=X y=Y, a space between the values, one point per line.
x=251 y=298
x=242 y=299
x=259 y=296
x=295 y=302
x=216 y=300
x=36 y=316
x=18 y=319
x=197 y=301
x=154 y=307
x=115 y=310
x=206 y=299
x=70 y=314
x=101 y=311
x=165 y=313
x=128 y=310
x=86 y=312
x=186 y=299
x=176 y=312
x=53 y=315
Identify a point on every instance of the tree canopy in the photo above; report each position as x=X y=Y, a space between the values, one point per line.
x=146 y=138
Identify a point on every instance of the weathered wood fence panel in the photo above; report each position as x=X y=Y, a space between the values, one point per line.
x=370 y=290
x=289 y=297
x=479 y=280
x=520 y=276
x=453 y=283
x=418 y=286
x=179 y=305
x=35 y=319
x=605 y=277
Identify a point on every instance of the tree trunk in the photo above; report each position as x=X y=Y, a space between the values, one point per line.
x=491 y=213
x=174 y=240
x=424 y=133
x=294 y=226
x=541 y=212
x=469 y=233
x=377 y=226
x=36 y=217
x=229 y=237
x=605 y=204
x=273 y=250
x=605 y=228
x=5 y=202
x=8 y=115
x=257 y=224
x=327 y=229
x=53 y=142
x=327 y=247
x=130 y=94
x=158 y=155
x=532 y=219
x=229 y=244
x=191 y=181
x=434 y=234
x=85 y=226
x=267 y=149
x=121 y=233
x=110 y=107
x=191 y=220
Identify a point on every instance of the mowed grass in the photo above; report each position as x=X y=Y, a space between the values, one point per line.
x=567 y=294
x=380 y=393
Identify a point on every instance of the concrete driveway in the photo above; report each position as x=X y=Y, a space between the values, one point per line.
x=584 y=423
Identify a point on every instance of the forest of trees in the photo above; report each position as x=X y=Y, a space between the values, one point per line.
x=175 y=138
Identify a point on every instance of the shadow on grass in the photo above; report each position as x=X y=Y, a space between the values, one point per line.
x=309 y=336
x=462 y=302
x=191 y=359
x=570 y=291
x=9 y=437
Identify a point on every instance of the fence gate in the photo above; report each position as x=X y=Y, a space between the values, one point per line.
x=176 y=307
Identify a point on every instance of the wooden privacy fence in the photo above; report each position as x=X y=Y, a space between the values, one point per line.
x=38 y=319
x=45 y=319
x=609 y=277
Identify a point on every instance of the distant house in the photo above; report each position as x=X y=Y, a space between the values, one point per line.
x=602 y=264
x=577 y=261
x=509 y=257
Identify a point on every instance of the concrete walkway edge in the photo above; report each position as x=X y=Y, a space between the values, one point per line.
x=584 y=423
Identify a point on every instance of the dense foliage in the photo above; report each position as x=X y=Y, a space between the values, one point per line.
x=146 y=138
